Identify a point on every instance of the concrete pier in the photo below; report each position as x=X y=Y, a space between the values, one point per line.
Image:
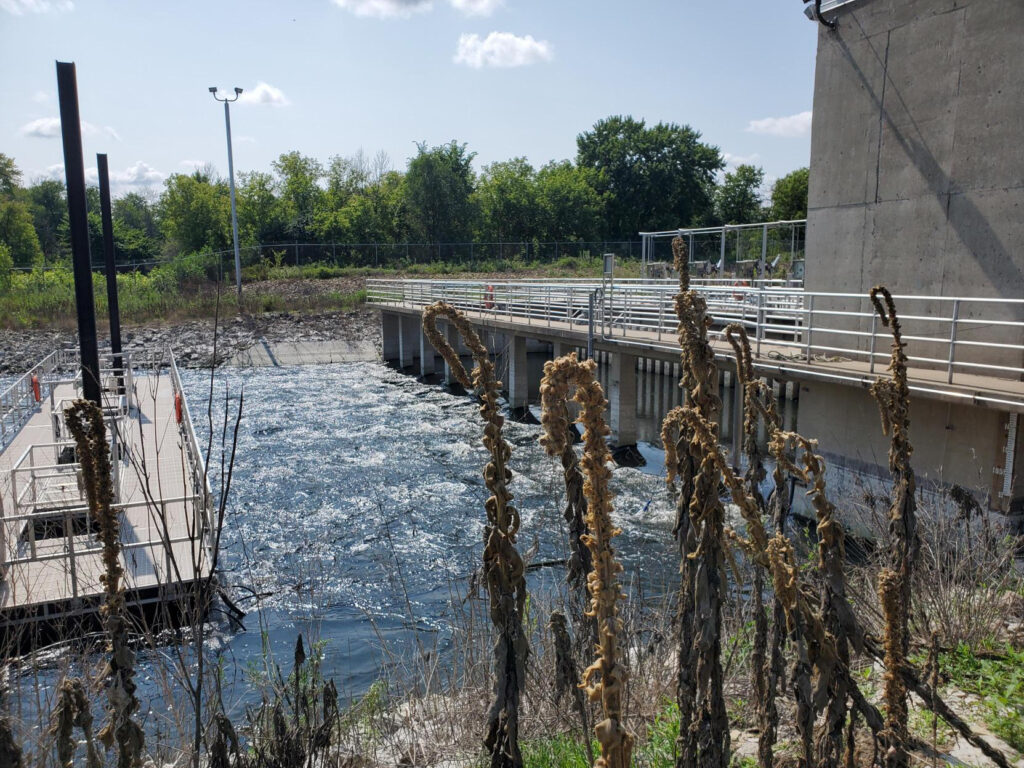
x=622 y=398
x=518 y=378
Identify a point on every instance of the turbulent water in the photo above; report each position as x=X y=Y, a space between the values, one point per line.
x=356 y=508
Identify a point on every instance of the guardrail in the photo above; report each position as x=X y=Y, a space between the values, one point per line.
x=960 y=336
x=45 y=488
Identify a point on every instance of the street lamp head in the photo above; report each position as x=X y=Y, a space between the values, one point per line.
x=213 y=89
x=238 y=91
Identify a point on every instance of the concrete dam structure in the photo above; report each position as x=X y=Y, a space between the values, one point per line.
x=917 y=184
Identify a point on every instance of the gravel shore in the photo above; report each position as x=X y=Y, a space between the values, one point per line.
x=193 y=341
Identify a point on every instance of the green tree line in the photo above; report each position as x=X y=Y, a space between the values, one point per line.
x=627 y=177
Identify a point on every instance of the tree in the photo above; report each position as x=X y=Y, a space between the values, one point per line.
x=789 y=196
x=135 y=211
x=49 y=206
x=18 y=233
x=738 y=198
x=507 y=201
x=439 y=185
x=654 y=178
x=6 y=265
x=261 y=216
x=571 y=206
x=10 y=176
x=299 y=192
x=195 y=213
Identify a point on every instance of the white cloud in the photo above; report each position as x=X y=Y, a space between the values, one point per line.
x=732 y=160
x=49 y=128
x=385 y=9
x=264 y=93
x=138 y=175
x=501 y=49
x=21 y=7
x=477 y=7
x=792 y=126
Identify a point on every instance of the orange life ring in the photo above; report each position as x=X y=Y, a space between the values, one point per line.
x=489 y=297
x=738 y=295
x=35 y=389
x=177 y=407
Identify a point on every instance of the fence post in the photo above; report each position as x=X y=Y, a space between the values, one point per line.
x=871 y=348
x=810 y=325
x=759 y=331
x=952 y=340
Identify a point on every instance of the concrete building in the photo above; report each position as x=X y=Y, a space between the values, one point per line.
x=917 y=183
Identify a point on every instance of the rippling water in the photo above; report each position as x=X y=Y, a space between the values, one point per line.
x=356 y=485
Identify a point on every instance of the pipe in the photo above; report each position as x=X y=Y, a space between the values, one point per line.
x=78 y=221
x=113 y=307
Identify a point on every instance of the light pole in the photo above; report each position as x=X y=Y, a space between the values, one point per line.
x=231 y=176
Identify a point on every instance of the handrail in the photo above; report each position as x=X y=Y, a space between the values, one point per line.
x=958 y=335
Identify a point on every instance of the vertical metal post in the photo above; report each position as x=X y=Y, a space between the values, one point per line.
x=590 y=327
x=234 y=214
x=952 y=340
x=759 y=331
x=78 y=225
x=810 y=323
x=113 y=308
x=721 y=262
x=764 y=253
x=871 y=348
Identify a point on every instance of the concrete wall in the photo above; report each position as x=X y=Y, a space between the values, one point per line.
x=917 y=165
x=959 y=444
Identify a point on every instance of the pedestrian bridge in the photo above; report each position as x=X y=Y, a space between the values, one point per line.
x=966 y=356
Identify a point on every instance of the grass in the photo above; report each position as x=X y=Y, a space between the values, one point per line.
x=186 y=288
x=998 y=682
x=43 y=299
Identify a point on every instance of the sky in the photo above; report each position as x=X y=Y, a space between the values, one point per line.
x=330 y=77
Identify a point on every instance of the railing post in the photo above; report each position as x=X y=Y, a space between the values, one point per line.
x=661 y=311
x=871 y=349
x=810 y=325
x=758 y=330
x=590 y=327
x=70 y=533
x=952 y=340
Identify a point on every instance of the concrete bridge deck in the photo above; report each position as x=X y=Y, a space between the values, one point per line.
x=965 y=370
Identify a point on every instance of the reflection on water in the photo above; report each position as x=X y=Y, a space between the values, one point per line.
x=356 y=487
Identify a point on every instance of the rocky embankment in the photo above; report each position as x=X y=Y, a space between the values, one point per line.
x=193 y=341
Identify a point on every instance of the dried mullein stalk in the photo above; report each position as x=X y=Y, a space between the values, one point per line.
x=894 y=583
x=567 y=678
x=72 y=711
x=504 y=571
x=704 y=723
x=605 y=679
x=85 y=421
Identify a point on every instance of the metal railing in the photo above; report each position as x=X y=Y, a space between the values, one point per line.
x=46 y=492
x=957 y=336
x=759 y=250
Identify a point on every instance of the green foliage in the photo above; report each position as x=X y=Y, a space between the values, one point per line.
x=738 y=198
x=6 y=265
x=571 y=207
x=10 y=175
x=299 y=192
x=654 y=178
x=508 y=201
x=789 y=196
x=195 y=213
x=439 y=188
x=49 y=206
x=18 y=233
x=998 y=681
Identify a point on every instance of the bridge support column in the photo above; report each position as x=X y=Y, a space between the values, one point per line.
x=622 y=397
x=407 y=340
x=452 y=335
x=426 y=356
x=559 y=349
x=389 y=335
x=518 y=381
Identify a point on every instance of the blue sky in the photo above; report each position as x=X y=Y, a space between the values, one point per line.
x=509 y=77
